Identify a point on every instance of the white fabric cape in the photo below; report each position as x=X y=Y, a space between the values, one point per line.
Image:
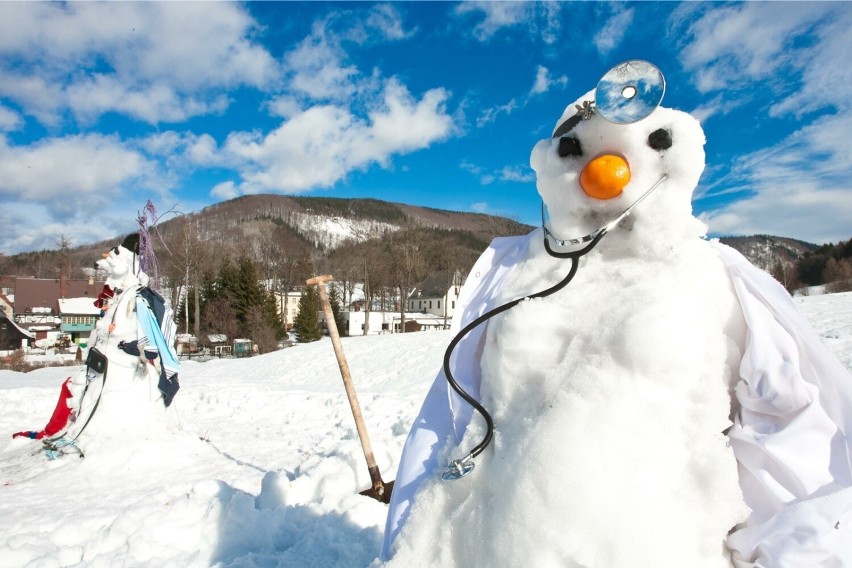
x=791 y=436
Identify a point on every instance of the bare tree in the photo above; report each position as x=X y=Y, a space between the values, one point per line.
x=183 y=268
x=407 y=267
x=838 y=275
x=64 y=246
x=259 y=330
x=220 y=317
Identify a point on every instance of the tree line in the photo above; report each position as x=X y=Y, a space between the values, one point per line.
x=829 y=265
x=233 y=291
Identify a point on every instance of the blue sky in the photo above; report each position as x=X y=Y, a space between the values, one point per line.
x=106 y=105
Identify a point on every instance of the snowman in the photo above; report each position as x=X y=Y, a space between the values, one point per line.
x=622 y=391
x=130 y=375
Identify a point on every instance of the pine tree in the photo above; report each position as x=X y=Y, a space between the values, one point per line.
x=306 y=324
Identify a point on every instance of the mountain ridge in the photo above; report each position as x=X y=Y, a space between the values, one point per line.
x=320 y=225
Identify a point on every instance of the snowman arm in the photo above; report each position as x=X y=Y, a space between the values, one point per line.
x=791 y=435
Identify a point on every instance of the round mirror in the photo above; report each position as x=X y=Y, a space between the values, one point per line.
x=630 y=91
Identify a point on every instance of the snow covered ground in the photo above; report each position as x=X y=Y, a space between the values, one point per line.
x=263 y=468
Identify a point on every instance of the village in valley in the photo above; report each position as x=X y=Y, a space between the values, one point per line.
x=48 y=321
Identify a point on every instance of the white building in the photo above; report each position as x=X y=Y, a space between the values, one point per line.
x=287 y=306
x=354 y=322
x=436 y=295
x=385 y=322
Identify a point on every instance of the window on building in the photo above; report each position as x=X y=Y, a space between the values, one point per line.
x=430 y=304
x=439 y=304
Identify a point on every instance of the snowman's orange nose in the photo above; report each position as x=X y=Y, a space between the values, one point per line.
x=605 y=176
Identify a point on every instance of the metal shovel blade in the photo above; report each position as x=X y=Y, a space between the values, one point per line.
x=382 y=493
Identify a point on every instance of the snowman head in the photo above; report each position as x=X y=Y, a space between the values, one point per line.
x=609 y=148
x=121 y=264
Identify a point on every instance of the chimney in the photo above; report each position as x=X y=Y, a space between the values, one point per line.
x=63 y=285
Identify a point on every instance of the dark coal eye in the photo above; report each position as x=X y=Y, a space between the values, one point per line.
x=660 y=139
x=569 y=146
x=115 y=250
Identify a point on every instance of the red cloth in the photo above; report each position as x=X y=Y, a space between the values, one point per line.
x=61 y=413
x=106 y=294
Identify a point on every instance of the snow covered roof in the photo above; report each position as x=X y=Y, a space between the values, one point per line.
x=21 y=330
x=436 y=284
x=78 y=306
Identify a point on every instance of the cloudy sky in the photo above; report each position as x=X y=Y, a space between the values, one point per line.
x=104 y=106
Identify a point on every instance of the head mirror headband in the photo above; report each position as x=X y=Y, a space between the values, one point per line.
x=627 y=93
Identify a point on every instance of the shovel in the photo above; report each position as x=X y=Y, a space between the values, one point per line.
x=380 y=490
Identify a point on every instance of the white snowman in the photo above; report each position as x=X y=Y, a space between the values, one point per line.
x=130 y=375
x=641 y=402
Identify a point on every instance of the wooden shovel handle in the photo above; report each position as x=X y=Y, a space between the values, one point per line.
x=320 y=282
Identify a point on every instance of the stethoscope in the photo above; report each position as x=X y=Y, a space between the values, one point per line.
x=627 y=93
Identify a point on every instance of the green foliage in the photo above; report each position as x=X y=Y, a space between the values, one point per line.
x=812 y=266
x=358 y=208
x=240 y=301
x=306 y=324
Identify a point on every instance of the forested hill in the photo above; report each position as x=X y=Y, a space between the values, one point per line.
x=327 y=222
x=330 y=233
x=269 y=227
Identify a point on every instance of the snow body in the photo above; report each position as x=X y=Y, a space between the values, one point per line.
x=611 y=396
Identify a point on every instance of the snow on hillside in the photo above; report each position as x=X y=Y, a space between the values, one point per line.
x=331 y=232
x=263 y=468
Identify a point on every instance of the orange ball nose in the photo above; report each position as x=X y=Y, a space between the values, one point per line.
x=605 y=176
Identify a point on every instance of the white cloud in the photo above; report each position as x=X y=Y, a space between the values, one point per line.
x=827 y=74
x=183 y=149
x=68 y=168
x=284 y=106
x=609 y=36
x=496 y=16
x=542 y=19
x=386 y=19
x=516 y=174
x=491 y=114
x=9 y=119
x=521 y=174
x=155 y=61
x=479 y=207
x=795 y=54
x=224 y=191
x=315 y=68
x=797 y=188
x=544 y=82
x=750 y=41
x=25 y=225
x=321 y=145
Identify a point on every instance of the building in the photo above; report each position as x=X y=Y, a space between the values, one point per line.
x=77 y=318
x=436 y=295
x=7 y=304
x=36 y=306
x=385 y=322
x=354 y=322
x=287 y=306
x=13 y=336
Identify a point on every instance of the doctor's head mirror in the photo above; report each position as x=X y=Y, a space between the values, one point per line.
x=629 y=92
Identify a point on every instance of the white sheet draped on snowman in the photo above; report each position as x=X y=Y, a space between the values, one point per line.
x=791 y=436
